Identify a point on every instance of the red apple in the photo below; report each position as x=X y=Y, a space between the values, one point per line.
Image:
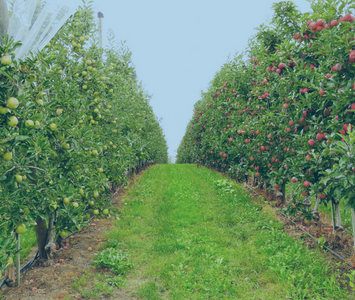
x=311 y=143
x=319 y=136
x=333 y=23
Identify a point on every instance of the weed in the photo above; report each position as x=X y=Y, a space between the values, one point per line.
x=115 y=259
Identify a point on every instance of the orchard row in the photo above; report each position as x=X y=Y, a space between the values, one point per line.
x=285 y=114
x=71 y=125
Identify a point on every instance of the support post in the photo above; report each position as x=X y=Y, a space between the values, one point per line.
x=333 y=216
x=100 y=16
x=353 y=221
x=4 y=19
x=18 y=265
x=291 y=196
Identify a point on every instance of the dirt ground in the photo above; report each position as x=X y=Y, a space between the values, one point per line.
x=47 y=280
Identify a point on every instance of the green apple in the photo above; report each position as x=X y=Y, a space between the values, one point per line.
x=95 y=152
x=105 y=211
x=21 y=229
x=81 y=192
x=63 y=234
x=53 y=126
x=59 y=111
x=37 y=124
x=75 y=204
x=39 y=101
x=84 y=73
x=93 y=122
x=85 y=86
x=66 y=200
x=96 y=211
x=60 y=136
x=12 y=122
x=100 y=170
x=92 y=203
x=31 y=77
x=7 y=156
x=6 y=60
x=3 y=110
x=12 y=103
x=29 y=123
x=65 y=146
x=18 y=178
x=96 y=194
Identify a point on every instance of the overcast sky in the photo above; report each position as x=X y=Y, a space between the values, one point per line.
x=178 y=46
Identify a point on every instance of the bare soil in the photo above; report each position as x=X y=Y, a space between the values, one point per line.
x=46 y=280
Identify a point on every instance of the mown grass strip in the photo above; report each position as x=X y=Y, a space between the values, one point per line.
x=194 y=235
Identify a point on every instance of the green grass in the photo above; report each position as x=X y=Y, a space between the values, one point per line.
x=191 y=237
x=93 y=285
x=28 y=240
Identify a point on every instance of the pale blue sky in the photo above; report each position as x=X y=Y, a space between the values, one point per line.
x=178 y=46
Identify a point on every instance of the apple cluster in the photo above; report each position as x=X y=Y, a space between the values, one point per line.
x=72 y=125
x=281 y=114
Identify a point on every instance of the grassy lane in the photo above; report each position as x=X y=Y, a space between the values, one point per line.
x=192 y=237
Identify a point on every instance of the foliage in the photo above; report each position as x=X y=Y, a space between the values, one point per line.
x=278 y=114
x=78 y=124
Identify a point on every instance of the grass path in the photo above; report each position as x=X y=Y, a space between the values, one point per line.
x=192 y=237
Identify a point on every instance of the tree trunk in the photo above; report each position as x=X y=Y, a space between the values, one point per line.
x=50 y=247
x=315 y=211
x=246 y=177
x=41 y=234
x=283 y=191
